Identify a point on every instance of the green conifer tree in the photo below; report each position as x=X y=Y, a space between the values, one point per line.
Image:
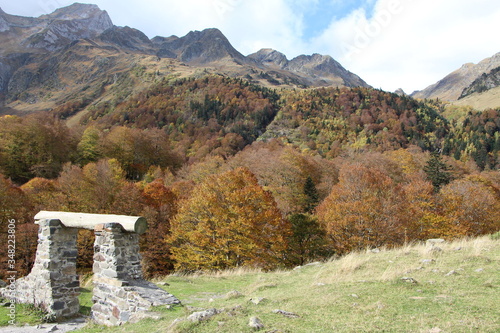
x=437 y=171
x=311 y=195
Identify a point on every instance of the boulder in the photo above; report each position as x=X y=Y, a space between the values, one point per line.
x=255 y=323
x=203 y=315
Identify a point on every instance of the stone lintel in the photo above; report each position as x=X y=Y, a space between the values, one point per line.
x=137 y=224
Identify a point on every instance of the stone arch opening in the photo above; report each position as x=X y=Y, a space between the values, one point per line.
x=120 y=291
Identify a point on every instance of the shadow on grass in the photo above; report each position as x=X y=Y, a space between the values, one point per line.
x=85 y=301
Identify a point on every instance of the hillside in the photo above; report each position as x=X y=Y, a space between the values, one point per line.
x=453 y=291
x=450 y=88
x=489 y=99
x=217 y=116
x=453 y=287
x=483 y=83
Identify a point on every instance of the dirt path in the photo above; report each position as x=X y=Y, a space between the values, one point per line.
x=67 y=326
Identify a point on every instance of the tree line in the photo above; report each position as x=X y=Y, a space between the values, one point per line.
x=231 y=174
x=271 y=205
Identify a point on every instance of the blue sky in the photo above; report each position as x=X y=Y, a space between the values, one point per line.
x=391 y=44
x=319 y=15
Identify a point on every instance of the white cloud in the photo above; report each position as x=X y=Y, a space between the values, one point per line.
x=412 y=44
x=249 y=25
x=264 y=24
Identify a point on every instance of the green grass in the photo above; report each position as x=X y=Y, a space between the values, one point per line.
x=85 y=301
x=361 y=292
x=27 y=314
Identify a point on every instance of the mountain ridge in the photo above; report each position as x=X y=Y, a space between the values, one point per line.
x=483 y=83
x=315 y=65
x=29 y=45
x=451 y=86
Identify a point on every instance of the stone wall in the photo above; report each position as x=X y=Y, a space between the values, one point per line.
x=120 y=292
x=52 y=283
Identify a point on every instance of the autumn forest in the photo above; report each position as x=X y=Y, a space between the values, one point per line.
x=229 y=173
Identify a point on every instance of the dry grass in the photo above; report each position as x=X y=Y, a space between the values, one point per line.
x=456 y=290
x=481 y=101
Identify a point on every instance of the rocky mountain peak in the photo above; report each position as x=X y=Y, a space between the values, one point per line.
x=327 y=67
x=128 y=38
x=199 y=47
x=67 y=24
x=400 y=92
x=74 y=11
x=270 y=57
x=316 y=62
x=210 y=33
x=97 y=20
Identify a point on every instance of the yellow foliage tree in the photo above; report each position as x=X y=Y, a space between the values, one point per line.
x=229 y=221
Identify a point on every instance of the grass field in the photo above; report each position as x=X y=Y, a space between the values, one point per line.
x=411 y=289
x=489 y=99
x=453 y=290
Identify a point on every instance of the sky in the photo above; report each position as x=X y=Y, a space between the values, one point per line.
x=391 y=44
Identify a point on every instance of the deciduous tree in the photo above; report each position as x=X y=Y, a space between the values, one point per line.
x=363 y=210
x=471 y=206
x=229 y=221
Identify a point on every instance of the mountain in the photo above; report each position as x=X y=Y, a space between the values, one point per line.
x=53 y=31
x=483 y=93
x=76 y=56
x=27 y=41
x=483 y=83
x=326 y=67
x=400 y=92
x=127 y=38
x=270 y=58
x=322 y=70
x=199 y=47
x=451 y=87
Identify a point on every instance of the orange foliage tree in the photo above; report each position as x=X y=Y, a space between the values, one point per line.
x=284 y=171
x=161 y=206
x=363 y=210
x=471 y=206
x=228 y=221
x=15 y=220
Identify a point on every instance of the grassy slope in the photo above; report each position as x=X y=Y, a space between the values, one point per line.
x=358 y=293
x=487 y=100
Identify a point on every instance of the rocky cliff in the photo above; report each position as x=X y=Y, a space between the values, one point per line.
x=321 y=69
x=199 y=47
x=483 y=83
x=53 y=31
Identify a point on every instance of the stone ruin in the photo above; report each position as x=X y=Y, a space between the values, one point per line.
x=120 y=292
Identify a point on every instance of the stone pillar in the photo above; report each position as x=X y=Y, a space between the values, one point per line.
x=116 y=253
x=120 y=292
x=53 y=283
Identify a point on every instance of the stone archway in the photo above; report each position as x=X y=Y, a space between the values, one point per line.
x=120 y=291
